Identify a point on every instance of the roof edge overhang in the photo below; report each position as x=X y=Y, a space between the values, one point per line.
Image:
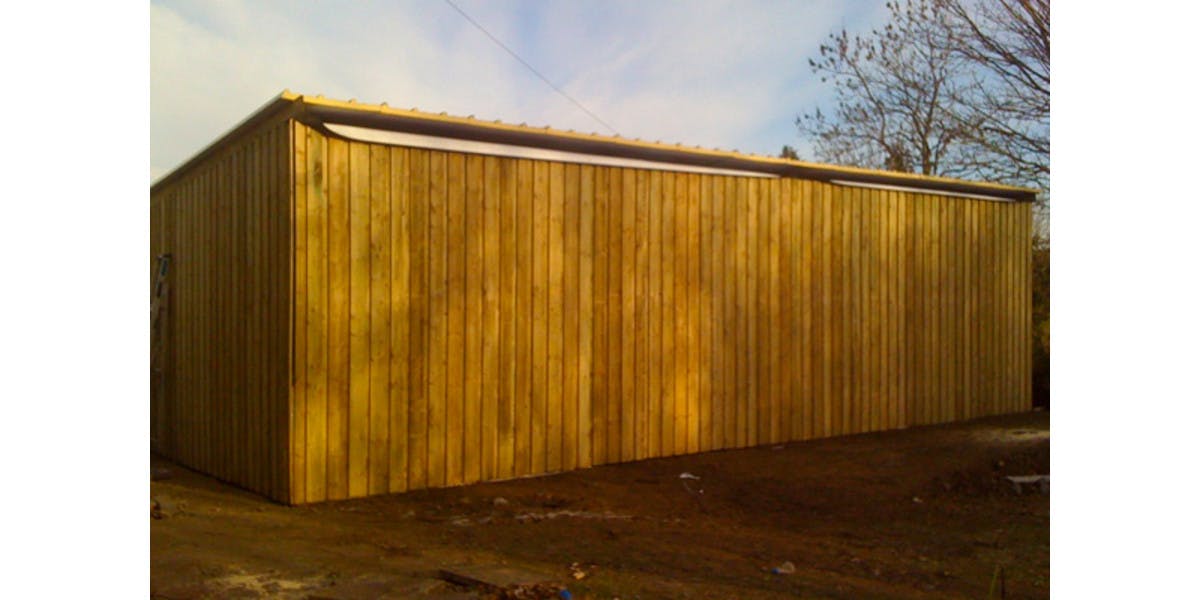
x=317 y=112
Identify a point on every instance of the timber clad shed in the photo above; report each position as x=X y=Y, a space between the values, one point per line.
x=364 y=300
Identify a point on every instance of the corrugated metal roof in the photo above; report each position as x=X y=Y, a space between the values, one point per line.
x=318 y=111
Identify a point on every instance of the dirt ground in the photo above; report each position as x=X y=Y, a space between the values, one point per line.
x=924 y=512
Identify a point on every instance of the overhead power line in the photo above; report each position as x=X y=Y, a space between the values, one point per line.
x=530 y=67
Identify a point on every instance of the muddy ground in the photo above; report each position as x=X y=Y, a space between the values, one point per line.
x=923 y=512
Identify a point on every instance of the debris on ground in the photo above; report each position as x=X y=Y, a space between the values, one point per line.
x=1041 y=481
x=578 y=572
x=162 y=509
x=498 y=501
x=787 y=568
x=503 y=583
x=576 y=514
x=686 y=475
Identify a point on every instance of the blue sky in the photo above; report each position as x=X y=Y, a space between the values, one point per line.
x=721 y=74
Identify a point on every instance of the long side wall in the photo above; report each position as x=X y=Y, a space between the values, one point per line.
x=463 y=318
x=220 y=402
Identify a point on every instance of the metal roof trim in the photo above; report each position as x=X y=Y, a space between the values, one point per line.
x=316 y=111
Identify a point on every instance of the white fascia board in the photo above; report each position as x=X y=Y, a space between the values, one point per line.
x=429 y=142
x=914 y=190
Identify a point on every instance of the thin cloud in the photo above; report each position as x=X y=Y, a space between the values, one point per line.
x=716 y=74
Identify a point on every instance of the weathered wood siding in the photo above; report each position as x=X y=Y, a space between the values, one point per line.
x=220 y=404
x=460 y=318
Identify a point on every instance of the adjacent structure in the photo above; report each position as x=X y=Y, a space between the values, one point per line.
x=364 y=300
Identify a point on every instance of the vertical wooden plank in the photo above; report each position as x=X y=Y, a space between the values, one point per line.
x=895 y=280
x=523 y=357
x=299 y=236
x=998 y=307
x=628 y=302
x=836 y=206
x=492 y=380
x=510 y=361
x=927 y=401
x=283 y=276
x=989 y=304
x=693 y=319
x=911 y=313
x=942 y=291
x=857 y=286
x=831 y=253
x=340 y=206
x=680 y=405
x=654 y=317
x=399 y=203
x=249 y=461
x=883 y=274
x=316 y=319
x=616 y=260
x=473 y=282
x=600 y=306
x=962 y=303
x=541 y=334
x=670 y=313
x=262 y=354
x=870 y=310
x=421 y=254
x=438 y=319
x=903 y=341
x=931 y=381
x=970 y=310
x=704 y=311
x=358 y=238
x=1010 y=293
x=237 y=458
x=456 y=318
x=554 y=313
x=772 y=320
x=791 y=364
x=641 y=359
x=949 y=341
x=570 y=317
x=741 y=214
x=729 y=310
x=380 y=325
x=946 y=311
x=920 y=264
x=812 y=293
x=756 y=239
x=226 y=435
x=717 y=249
x=848 y=198
x=252 y=344
x=587 y=274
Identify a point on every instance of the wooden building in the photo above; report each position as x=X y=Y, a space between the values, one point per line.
x=364 y=300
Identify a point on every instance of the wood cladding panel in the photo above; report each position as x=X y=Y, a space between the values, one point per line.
x=220 y=401
x=438 y=318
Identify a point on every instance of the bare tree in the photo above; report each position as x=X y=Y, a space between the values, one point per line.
x=948 y=87
x=1007 y=42
x=897 y=95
